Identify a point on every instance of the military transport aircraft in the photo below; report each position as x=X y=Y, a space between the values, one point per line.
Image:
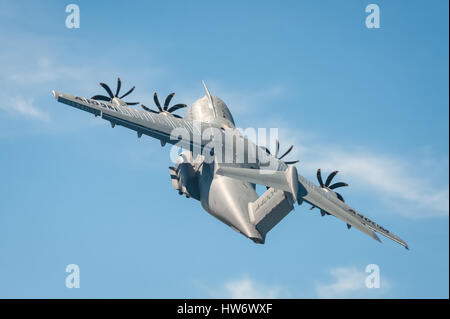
x=226 y=188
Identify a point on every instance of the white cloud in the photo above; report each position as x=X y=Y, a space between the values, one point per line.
x=350 y=282
x=403 y=184
x=38 y=74
x=24 y=107
x=393 y=177
x=247 y=288
x=34 y=75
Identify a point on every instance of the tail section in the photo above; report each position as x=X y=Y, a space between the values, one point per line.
x=269 y=209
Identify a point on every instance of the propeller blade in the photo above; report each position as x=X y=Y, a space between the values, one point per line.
x=101 y=98
x=319 y=177
x=287 y=152
x=336 y=185
x=330 y=177
x=145 y=108
x=167 y=101
x=176 y=107
x=106 y=87
x=132 y=103
x=131 y=90
x=349 y=226
x=340 y=197
x=119 y=84
x=177 y=116
x=291 y=162
x=155 y=98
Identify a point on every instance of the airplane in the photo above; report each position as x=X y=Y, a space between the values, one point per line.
x=226 y=188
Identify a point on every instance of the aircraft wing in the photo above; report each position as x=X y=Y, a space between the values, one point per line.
x=304 y=190
x=155 y=125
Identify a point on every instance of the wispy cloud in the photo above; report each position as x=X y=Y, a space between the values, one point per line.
x=24 y=107
x=392 y=176
x=403 y=184
x=247 y=288
x=350 y=282
x=36 y=75
x=43 y=70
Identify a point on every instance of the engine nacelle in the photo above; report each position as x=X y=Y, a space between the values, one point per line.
x=184 y=176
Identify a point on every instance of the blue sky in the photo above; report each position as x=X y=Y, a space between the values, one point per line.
x=372 y=103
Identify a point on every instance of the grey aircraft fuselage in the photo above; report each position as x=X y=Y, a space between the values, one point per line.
x=223 y=197
x=225 y=186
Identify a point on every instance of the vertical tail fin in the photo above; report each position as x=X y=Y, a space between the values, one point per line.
x=210 y=99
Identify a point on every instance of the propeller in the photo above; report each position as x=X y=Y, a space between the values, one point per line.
x=328 y=182
x=327 y=185
x=284 y=154
x=111 y=95
x=165 y=109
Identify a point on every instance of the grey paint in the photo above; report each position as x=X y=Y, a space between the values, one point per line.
x=227 y=191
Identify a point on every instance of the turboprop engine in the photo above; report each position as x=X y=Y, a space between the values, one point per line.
x=184 y=176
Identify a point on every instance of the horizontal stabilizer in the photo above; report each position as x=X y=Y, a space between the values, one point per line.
x=283 y=180
x=269 y=209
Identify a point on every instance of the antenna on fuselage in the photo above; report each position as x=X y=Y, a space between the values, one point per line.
x=211 y=102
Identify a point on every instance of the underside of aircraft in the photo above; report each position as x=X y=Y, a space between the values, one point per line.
x=221 y=175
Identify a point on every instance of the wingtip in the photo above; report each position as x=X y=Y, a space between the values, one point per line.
x=374 y=236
